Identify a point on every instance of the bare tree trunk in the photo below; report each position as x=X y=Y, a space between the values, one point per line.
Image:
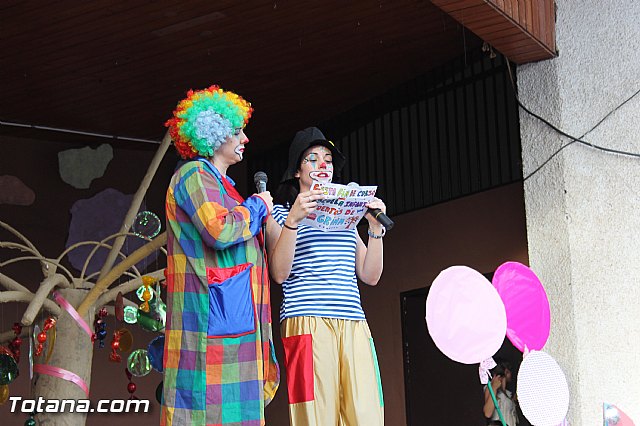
x=73 y=351
x=135 y=204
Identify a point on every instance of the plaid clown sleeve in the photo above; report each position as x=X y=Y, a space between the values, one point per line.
x=211 y=230
x=197 y=193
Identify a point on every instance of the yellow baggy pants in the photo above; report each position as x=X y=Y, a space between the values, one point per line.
x=333 y=377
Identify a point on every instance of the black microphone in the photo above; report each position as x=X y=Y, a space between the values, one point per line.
x=382 y=218
x=260 y=179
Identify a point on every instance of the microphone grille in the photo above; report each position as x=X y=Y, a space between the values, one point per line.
x=353 y=184
x=260 y=177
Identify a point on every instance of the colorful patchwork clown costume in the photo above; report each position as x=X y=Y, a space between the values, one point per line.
x=219 y=361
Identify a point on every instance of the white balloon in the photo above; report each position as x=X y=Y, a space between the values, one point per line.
x=543 y=391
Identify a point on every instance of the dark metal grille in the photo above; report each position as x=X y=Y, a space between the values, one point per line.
x=447 y=134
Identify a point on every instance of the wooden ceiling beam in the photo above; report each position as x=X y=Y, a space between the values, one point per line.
x=532 y=23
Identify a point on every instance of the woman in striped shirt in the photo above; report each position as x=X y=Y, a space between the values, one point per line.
x=332 y=369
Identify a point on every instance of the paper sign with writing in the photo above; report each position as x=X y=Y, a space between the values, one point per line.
x=342 y=208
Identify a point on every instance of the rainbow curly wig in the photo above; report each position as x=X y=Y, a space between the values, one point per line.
x=205 y=119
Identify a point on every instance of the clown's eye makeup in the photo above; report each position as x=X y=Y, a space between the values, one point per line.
x=313 y=159
x=237 y=131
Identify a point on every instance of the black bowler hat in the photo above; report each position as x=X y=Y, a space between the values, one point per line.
x=305 y=139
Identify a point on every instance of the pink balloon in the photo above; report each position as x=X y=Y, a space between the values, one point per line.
x=526 y=303
x=465 y=315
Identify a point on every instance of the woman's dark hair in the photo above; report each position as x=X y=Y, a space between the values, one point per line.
x=286 y=193
x=502 y=365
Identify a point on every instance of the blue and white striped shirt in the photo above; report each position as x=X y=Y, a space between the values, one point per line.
x=322 y=282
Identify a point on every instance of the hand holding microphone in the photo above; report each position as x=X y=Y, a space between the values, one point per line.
x=261 y=179
x=377 y=212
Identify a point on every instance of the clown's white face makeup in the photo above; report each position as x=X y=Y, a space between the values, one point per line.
x=316 y=166
x=231 y=151
x=239 y=151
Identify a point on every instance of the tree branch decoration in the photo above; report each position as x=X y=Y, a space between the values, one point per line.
x=78 y=299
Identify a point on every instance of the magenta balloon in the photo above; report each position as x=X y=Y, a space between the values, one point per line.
x=526 y=303
x=465 y=316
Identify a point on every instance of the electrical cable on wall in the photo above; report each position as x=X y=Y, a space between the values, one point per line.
x=563 y=133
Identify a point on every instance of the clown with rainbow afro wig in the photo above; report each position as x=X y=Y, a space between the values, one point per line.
x=220 y=366
x=205 y=119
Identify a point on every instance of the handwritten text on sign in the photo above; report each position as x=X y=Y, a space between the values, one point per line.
x=342 y=208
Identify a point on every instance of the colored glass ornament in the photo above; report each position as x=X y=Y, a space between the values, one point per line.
x=114 y=356
x=51 y=341
x=14 y=345
x=30 y=360
x=154 y=320
x=100 y=327
x=8 y=366
x=144 y=287
x=130 y=315
x=49 y=323
x=17 y=328
x=119 y=307
x=148 y=280
x=145 y=292
x=155 y=352
x=126 y=340
x=35 y=330
x=159 y=390
x=4 y=394
x=146 y=224
x=101 y=332
x=138 y=363
x=146 y=296
x=131 y=387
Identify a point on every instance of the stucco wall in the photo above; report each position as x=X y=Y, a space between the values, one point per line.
x=581 y=208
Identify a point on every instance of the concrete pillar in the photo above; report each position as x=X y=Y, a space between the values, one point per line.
x=583 y=207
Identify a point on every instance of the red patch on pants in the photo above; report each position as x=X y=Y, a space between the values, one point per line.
x=298 y=360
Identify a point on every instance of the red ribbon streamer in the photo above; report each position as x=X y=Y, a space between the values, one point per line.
x=61 y=373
